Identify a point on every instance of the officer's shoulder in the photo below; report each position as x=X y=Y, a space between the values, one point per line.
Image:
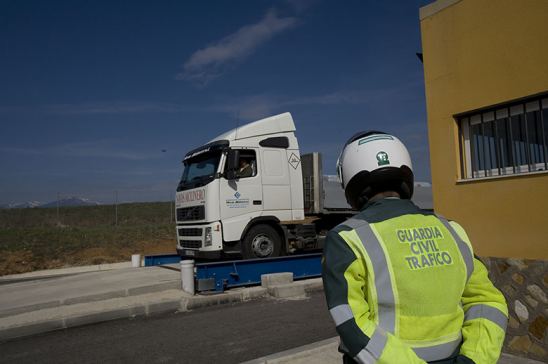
x=350 y=224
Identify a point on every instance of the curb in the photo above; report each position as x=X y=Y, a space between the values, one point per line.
x=302 y=352
x=135 y=291
x=234 y=296
x=158 y=299
x=57 y=318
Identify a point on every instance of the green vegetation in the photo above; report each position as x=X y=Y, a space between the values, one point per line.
x=38 y=238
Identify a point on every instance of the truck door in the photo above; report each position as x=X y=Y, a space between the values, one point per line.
x=241 y=199
x=276 y=184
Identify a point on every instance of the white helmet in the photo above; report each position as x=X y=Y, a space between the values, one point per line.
x=373 y=162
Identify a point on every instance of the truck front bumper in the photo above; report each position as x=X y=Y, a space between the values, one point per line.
x=200 y=241
x=197 y=254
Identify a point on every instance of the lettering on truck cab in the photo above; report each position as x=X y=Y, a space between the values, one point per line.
x=188 y=197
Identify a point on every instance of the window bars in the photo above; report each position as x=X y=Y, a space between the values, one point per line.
x=506 y=139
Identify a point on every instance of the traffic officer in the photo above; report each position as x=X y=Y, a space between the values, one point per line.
x=402 y=284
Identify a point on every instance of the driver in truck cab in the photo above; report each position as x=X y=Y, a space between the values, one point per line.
x=402 y=284
x=245 y=168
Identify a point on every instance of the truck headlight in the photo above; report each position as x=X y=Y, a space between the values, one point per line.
x=208 y=238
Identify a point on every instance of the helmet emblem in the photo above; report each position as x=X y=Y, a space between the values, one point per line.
x=382 y=158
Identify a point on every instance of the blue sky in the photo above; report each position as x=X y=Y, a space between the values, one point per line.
x=92 y=92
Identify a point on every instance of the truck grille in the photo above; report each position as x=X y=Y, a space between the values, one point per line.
x=191 y=213
x=191 y=244
x=190 y=232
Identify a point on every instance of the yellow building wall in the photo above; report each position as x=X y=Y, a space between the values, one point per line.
x=479 y=53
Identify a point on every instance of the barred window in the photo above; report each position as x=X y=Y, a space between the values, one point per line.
x=505 y=140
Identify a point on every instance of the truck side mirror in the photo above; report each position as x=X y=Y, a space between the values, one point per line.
x=232 y=163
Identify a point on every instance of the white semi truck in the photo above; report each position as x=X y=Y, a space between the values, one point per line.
x=250 y=193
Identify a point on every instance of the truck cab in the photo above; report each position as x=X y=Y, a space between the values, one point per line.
x=237 y=189
x=250 y=193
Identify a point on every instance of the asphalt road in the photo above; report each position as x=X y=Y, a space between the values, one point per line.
x=221 y=334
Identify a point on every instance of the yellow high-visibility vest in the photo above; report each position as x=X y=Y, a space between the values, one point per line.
x=403 y=286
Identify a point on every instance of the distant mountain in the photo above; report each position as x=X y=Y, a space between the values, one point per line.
x=71 y=201
x=21 y=205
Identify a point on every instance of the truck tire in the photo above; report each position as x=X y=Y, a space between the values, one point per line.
x=261 y=241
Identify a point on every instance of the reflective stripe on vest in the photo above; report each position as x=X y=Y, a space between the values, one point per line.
x=438 y=352
x=383 y=284
x=364 y=357
x=487 y=312
x=373 y=350
x=341 y=314
x=463 y=247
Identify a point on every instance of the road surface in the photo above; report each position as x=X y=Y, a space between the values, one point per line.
x=221 y=334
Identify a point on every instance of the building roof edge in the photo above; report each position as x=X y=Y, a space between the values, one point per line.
x=435 y=7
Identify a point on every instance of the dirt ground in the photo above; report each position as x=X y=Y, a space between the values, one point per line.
x=22 y=261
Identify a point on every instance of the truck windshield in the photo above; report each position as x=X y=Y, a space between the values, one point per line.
x=199 y=170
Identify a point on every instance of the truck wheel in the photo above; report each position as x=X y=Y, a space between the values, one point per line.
x=261 y=241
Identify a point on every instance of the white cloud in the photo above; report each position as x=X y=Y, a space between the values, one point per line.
x=366 y=96
x=247 y=108
x=95 y=149
x=254 y=107
x=116 y=108
x=209 y=63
